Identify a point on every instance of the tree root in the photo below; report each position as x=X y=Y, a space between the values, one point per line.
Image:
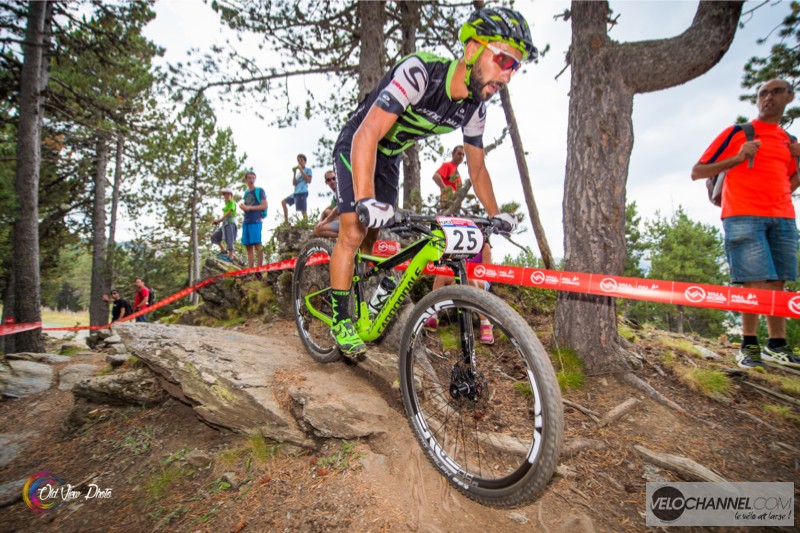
x=685 y=468
x=638 y=383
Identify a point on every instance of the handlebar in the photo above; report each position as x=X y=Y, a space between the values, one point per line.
x=413 y=222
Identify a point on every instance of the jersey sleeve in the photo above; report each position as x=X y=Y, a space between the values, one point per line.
x=722 y=147
x=473 y=129
x=408 y=84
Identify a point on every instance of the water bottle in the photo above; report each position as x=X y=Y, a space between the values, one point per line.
x=382 y=293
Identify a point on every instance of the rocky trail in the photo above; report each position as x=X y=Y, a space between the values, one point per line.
x=239 y=430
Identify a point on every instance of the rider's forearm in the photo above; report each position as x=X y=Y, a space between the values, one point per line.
x=484 y=191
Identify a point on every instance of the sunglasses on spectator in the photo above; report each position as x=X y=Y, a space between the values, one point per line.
x=504 y=60
x=774 y=92
x=328 y=180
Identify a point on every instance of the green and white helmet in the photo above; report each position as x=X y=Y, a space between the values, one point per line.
x=500 y=24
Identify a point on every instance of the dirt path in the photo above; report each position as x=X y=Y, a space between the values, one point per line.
x=170 y=472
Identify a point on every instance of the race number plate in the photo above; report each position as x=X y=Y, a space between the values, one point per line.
x=463 y=238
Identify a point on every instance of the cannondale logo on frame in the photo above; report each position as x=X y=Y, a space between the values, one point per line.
x=537 y=277
x=695 y=294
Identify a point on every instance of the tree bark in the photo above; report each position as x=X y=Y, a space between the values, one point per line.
x=525 y=178
x=372 y=17
x=98 y=308
x=412 y=191
x=605 y=77
x=25 y=263
x=115 y=195
x=194 y=272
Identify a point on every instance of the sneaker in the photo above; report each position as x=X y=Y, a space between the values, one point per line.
x=750 y=357
x=432 y=324
x=781 y=355
x=487 y=336
x=226 y=259
x=348 y=340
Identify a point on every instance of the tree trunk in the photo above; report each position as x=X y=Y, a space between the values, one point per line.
x=7 y=344
x=195 y=252
x=33 y=80
x=412 y=191
x=525 y=178
x=605 y=77
x=115 y=195
x=372 y=17
x=98 y=308
x=680 y=319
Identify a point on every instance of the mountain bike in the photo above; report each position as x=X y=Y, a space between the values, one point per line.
x=489 y=417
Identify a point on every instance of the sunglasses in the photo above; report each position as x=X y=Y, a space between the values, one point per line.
x=330 y=180
x=504 y=60
x=774 y=92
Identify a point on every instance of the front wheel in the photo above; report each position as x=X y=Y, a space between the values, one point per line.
x=488 y=416
x=311 y=289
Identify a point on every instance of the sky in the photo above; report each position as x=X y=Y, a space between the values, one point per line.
x=672 y=128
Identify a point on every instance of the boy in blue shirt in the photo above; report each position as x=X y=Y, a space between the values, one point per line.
x=301 y=177
x=254 y=203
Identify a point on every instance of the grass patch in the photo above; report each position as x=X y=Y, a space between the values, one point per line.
x=782 y=412
x=523 y=387
x=138 y=441
x=70 y=350
x=449 y=337
x=162 y=482
x=261 y=449
x=680 y=345
x=626 y=333
x=711 y=383
x=255 y=449
x=569 y=369
x=340 y=459
x=58 y=319
x=787 y=384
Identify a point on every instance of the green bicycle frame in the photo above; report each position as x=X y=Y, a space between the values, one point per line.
x=422 y=252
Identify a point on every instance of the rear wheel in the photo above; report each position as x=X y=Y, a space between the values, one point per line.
x=492 y=424
x=311 y=287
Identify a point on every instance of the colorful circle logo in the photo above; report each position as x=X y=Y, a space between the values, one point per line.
x=42 y=492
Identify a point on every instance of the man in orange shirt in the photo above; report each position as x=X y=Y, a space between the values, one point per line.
x=447 y=176
x=758 y=217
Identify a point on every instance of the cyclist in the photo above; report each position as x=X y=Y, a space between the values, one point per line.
x=421 y=96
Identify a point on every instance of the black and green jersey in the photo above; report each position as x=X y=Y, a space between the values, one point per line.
x=417 y=90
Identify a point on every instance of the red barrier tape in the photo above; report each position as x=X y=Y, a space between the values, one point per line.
x=759 y=301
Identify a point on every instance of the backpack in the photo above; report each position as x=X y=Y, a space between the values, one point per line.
x=258 y=201
x=151 y=297
x=714 y=183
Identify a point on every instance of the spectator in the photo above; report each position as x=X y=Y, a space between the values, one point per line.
x=227 y=230
x=447 y=177
x=487 y=333
x=121 y=308
x=758 y=216
x=140 y=301
x=328 y=225
x=253 y=204
x=301 y=177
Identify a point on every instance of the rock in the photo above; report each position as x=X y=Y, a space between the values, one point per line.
x=137 y=387
x=11 y=491
x=92 y=340
x=23 y=378
x=198 y=458
x=12 y=444
x=113 y=339
x=255 y=384
x=48 y=358
x=231 y=479
x=653 y=473
x=577 y=522
x=104 y=334
x=117 y=361
x=393 y=336
x=118 y=349
x=73 y=374
x=705 y=353
x=519 y=518
x=224 y=293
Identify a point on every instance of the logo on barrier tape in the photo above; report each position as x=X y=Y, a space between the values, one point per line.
x=537 y=277
x=608 y=285
x=794 y=305
x=480 y=271
x=695 y=294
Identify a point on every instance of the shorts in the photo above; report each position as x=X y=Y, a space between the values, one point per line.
x=334 y=226
x=226 y=232
x=761 y=248
x=251 y=234
x=387 y=175
x=300 y=198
